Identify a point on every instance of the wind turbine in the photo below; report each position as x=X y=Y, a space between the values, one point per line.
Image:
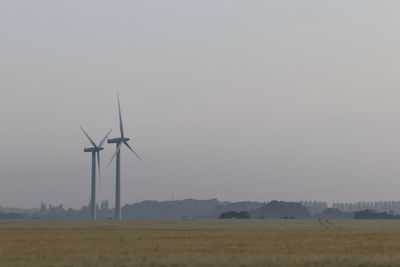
x=95 y=150
x=119 y=141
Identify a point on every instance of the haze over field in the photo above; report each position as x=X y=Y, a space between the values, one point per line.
x=240 y=100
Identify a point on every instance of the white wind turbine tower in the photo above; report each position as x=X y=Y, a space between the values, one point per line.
x=95 y=150
x=119 y=141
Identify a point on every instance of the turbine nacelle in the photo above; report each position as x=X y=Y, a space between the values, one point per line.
x=93 y=149
x=117 y=140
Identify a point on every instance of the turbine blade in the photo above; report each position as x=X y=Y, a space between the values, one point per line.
x=131 y=149
x=115 y=153
x=98 y=165
x=90 y=139
x=104 y=139
x=121 y=126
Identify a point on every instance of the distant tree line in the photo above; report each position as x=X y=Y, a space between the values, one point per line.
x=10 y=216
x=333 y=213
x=59 y=212
x=211 y=208
x=280 y=209
x=379 y=206
x=315 y=207
x=370 y=214
x=235 y=215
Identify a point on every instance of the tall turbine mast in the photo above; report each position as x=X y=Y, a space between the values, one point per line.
x=119 y=141
x=95 y=150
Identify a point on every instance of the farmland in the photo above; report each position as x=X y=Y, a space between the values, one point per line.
x=200 y=243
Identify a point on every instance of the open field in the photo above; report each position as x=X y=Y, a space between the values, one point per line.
x=200 y=243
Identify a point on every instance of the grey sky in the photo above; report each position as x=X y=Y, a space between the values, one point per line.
x=240 y=100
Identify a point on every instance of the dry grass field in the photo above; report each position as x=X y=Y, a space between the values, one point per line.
x=200 y=243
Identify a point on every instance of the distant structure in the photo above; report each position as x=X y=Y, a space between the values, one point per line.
x=95 y=150
x=119 y=141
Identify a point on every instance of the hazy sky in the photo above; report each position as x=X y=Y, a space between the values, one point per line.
x=239 y=100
